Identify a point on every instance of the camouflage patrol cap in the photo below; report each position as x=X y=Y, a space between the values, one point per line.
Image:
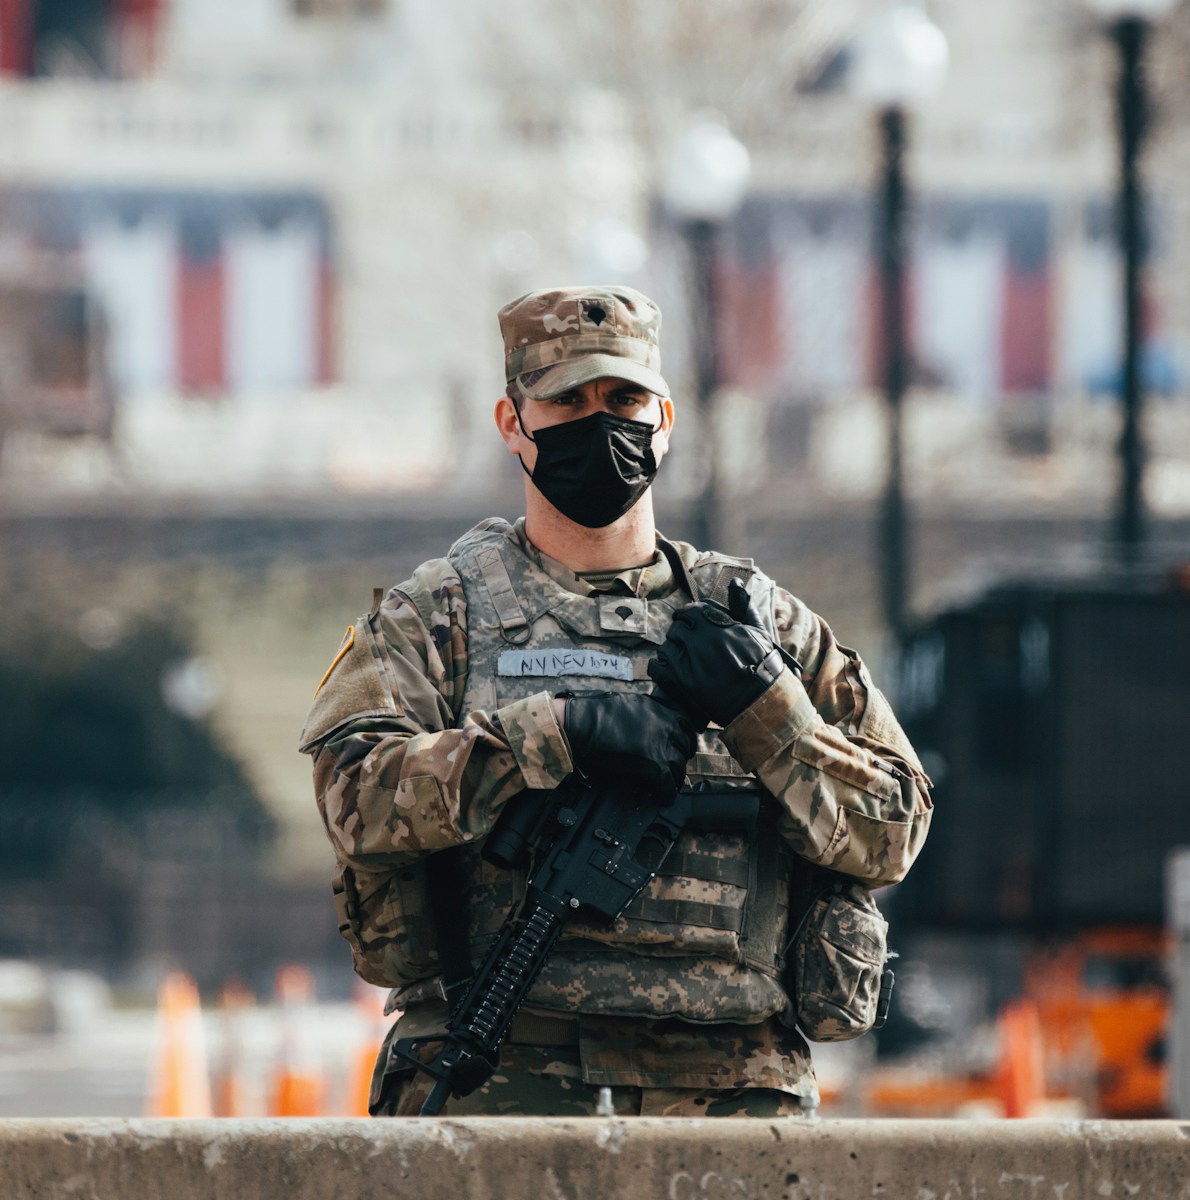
x=558 y=338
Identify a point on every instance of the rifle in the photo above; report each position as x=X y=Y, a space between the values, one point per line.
x=596 y=845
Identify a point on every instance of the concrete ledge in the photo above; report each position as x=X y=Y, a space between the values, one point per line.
x=493 y=1158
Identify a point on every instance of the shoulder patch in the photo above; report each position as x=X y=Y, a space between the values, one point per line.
x=354 y=686
x=344 y=646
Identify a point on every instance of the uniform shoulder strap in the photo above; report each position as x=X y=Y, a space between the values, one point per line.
x=514 y=625
x=483 y=546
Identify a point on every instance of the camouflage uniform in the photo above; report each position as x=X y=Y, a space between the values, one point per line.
x=437 y=712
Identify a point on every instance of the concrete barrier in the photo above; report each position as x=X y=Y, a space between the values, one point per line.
x=596 y=1159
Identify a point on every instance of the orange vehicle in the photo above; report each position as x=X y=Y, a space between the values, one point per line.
x=1104 y=1005
x=1089 y=1030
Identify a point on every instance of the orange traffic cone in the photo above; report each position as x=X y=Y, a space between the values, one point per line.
x=299 y=1089
x=1021 y=1076
x=181 y=1086
x=231 y=1088
x=369 y=1003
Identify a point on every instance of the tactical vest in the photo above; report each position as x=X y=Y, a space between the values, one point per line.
x=703 y=941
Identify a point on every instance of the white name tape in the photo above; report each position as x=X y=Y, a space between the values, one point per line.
x=554 y=663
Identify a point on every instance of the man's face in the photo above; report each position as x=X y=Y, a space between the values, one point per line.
x=609 y=395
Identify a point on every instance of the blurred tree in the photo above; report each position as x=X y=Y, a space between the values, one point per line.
x=88 y=731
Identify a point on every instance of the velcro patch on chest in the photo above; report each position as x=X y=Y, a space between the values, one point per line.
x=555 y=663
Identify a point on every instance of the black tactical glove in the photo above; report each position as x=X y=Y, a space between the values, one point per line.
x=617 y=734
x=716 y=661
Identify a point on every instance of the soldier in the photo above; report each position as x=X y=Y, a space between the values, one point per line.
x=532 y=649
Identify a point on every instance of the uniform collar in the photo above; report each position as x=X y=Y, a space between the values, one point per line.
x=652 y=581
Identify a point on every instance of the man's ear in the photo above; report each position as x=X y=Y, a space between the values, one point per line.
x=661 y=437
x=508 y=424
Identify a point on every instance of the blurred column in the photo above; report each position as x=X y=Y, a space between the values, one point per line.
x=960 y=293
x=822 y=279
x=701 y=240
x=1129 y=22
x=272 y=313
x=899 y=57
x=706 y=178
x=133 y=271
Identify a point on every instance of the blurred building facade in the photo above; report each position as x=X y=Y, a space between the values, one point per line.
x=272 y=198
x=326 y=201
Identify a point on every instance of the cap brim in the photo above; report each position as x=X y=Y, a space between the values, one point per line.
x=566 y=375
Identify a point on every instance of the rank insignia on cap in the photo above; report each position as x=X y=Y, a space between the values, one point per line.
x=577 y=334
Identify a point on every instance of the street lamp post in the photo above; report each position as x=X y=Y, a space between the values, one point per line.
x=898 y=58
x=1129 y=22
x=891 y=255
x=705 y=181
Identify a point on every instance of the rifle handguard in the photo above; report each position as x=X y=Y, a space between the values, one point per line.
x=597 y=847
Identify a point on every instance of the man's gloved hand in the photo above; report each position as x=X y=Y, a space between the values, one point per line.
x=617 y=734
x=717 y=661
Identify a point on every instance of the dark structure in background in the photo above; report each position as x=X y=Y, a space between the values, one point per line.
x=1053 y=718
x=130 y=840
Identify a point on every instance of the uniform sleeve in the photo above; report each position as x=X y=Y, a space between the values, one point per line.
x=403 y=773
x=852 y=793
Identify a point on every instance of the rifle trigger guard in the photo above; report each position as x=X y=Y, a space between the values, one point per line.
x=406 y=1050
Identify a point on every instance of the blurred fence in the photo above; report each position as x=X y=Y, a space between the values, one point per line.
x=132 y=894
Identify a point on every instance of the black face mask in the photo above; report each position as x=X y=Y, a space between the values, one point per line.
x=595 y=469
